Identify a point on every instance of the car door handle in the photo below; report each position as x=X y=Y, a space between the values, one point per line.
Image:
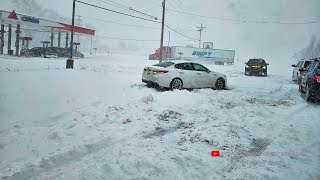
x=199 y=73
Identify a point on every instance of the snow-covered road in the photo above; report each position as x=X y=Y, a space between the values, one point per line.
x=99 y=121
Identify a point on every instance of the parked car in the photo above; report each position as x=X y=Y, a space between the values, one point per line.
x=256 y=67
x=310 y=81
x=296 y=73
x=183 y=75
x=50 y=52
x=38 y=51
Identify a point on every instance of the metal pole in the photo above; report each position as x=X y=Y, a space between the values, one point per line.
x=91 y=46
x=70 y=61
x=168 y=48
x=17 y=39
x=79 y=24
x=9 y=39
x=162 y=28
x=67 y=40
x=2 y=39
x=59 y=38
x=200 y=39
x=52 y=37
x=200 y=30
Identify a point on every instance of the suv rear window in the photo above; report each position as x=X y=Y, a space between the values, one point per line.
x=256 y=61
x=164 y=64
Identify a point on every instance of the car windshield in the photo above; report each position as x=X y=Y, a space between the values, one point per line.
x=164 y=64
x=256 y=61
x=307 y=63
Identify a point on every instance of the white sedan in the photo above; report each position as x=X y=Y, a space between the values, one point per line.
x=183 y=75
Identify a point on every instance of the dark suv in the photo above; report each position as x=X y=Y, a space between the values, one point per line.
x=256 y=67
x=310 y=81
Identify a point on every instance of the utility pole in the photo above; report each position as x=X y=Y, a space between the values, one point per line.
x=169 y=40
x=162 y=28
x=70 y=60
x=79 y=24
x=200 y=30
x=91 y=46
x=168 y=48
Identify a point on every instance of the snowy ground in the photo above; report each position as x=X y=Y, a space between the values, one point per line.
x=99 y=121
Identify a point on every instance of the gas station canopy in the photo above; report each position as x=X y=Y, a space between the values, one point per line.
x=39 y=24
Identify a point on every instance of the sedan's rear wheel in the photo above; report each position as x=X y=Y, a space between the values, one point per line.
x=220 y=84
x=176 y=84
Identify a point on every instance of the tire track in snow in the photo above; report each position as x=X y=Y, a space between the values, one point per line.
x=48 y=164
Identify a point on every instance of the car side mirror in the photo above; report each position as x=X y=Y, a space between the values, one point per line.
x=208 y=71
x=267 y=64
x=245 y=63
x=293 y=65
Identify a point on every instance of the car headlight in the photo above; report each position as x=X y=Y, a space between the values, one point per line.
x=247 y=66
x=264 y=67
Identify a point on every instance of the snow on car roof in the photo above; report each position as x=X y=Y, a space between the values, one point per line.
x=181 y=61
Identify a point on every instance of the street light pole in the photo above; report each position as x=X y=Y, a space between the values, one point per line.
x=70 y=60
x=162 y=28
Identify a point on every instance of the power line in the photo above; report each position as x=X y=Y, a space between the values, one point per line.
x=114 y=4
x=131 y=39
x=123 y=24
x=125 y=39
x=139 y=12
x=238 y=20
x=179 y=32
x=113 y=22
x=99 y=7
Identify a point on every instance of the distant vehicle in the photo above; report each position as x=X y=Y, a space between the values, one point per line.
x=183 y=75
x=310 y=81
x=218 y=56
x=50 y=52
x=256 y=67
x=165 y=54
x=38 y=51
x=296 y=73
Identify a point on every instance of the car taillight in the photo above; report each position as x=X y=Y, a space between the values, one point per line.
x=317 y=77
x=159 y=71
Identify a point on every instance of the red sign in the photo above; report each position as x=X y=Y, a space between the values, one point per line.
x=215 y=153
x=13 y=15
x=76 y=29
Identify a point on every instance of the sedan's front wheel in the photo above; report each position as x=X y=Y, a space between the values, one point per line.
x=176 y=84
x=220 y=84
x=309 y=95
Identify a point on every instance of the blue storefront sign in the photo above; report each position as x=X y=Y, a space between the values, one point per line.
x=30 y=19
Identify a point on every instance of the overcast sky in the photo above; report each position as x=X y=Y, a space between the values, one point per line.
x=271 y=41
